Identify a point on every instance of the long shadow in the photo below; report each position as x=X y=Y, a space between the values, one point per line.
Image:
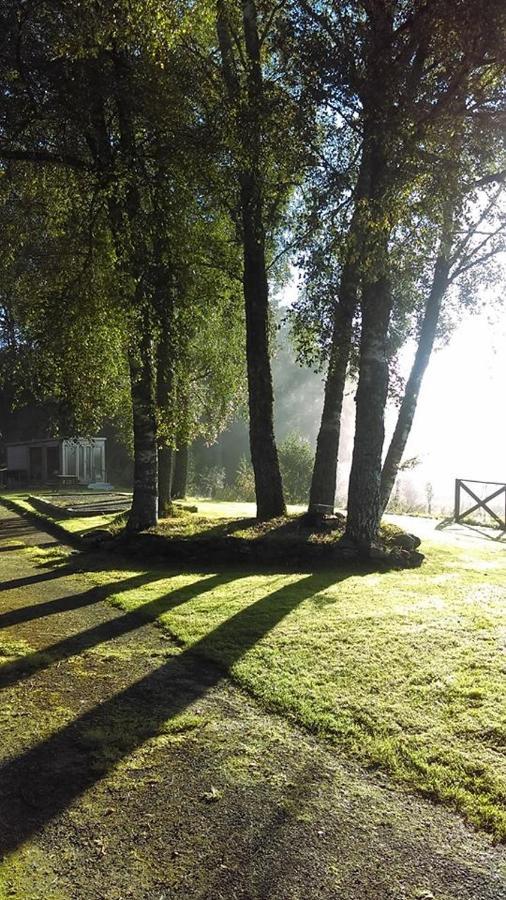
x=15 y=525
x=295 y=526
x=14 y=529
x=12 y=549
x=65 y=565
x=70 y=602
x=44 y=780
x=39 y=577
x=224 y=528
x=476 y=532
x=27 y=665
x=473 y=530
x=32 y=521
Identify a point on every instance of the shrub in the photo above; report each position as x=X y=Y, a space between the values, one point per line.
x=244 y=485
x=296 y=460
x=211 y=481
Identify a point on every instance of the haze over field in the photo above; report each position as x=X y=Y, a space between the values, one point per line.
x=460 y=426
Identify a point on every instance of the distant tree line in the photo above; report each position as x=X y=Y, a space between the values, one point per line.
x=161 y=164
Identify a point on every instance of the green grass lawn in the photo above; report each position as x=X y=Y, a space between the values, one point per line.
x=211 y=515
x=75 y=526
x=402 y=670
x=208 y=520
x=217 y=509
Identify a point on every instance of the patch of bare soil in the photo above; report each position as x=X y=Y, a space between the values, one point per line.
x=132 y=769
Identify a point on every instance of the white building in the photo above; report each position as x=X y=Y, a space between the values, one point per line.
x=54 y=460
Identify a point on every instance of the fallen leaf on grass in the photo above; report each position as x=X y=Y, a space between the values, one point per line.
x=212 y=796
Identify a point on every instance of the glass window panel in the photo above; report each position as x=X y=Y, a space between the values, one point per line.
x=71 y=454
x=98 y=463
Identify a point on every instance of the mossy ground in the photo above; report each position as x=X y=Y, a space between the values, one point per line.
x=401 y=670
x=133 y=769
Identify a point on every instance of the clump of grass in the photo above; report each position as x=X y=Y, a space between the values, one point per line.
x=187 y=721
x=17 y=876
x=287 y=537
x=10 y=650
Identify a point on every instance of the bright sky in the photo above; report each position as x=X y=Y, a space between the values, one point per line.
x=460 y=424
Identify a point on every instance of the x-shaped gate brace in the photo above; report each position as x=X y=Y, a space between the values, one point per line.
x=461 y=484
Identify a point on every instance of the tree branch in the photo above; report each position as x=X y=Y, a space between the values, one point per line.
x=493 y=178
x=41 y=156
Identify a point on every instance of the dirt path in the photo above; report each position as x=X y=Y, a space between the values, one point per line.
x=449 y=532
x=130 y=769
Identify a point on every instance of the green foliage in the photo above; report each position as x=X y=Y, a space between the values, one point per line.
x=208 y=336
x=128 y=134
x=121 y=247
x=244 y=484
x=63 y=335
x=296 y=464
x=210 y=481
x=430 y=160
x=296 y=459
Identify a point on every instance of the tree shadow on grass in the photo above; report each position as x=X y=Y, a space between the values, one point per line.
x=12 y=548
x=28 y=580
x=60 y=565
x=15 y=527
x=469 y=530
x=44 y=780
x=27 y=665
x=225 y=527
x=70 y=602
x=21 y=529
x=35 y=527
x=295 y=526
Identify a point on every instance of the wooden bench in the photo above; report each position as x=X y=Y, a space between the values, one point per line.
x=66 y=480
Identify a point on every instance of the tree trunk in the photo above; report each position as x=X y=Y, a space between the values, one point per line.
x=165 y=480
x=364 y=512
x=123 y=219
x=164 y=389
x=180 y=473
x=144 y=511
x=324 y=478
x=414 y=382
x=248 y=118
x=364 y=505
x=264 y=454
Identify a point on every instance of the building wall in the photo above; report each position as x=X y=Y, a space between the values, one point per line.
x=17 y=457
x=82 y=457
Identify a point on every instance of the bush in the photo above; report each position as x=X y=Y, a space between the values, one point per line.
x=296 y=460
x=296 y=463
x=244 y=484
x=211 y=481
